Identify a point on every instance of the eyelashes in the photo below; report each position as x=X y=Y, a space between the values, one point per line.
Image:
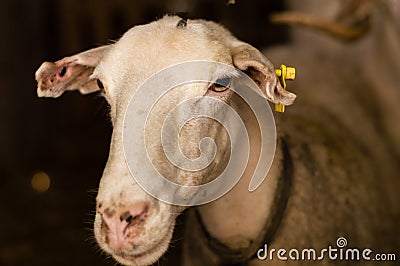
x=221 y=84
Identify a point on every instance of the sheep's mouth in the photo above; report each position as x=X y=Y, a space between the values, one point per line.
x=149 y=256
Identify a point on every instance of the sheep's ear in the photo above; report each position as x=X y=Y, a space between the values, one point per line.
x=69 y=73
x=260 y=69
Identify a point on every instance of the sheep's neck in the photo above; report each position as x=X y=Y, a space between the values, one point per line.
x=241 y=220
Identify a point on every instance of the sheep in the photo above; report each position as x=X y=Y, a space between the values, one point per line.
x=312 y=194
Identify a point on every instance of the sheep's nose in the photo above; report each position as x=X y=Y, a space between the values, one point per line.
x=121 y=226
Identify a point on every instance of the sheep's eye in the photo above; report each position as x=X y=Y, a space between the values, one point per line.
x=100 y=85
x=221 y=84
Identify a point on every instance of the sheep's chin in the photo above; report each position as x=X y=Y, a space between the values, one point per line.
x=148 y=257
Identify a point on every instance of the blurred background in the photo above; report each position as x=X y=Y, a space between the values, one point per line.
x=53 y=150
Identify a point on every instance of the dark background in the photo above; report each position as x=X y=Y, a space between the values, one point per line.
x=68 y=137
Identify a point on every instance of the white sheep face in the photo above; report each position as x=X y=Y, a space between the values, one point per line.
x=131 y=225
x=121 y=74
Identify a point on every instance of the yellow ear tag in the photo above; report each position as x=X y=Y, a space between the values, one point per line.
x=284 y=73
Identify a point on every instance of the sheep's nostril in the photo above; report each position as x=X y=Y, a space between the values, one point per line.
x=127 y=217
x=130 y=216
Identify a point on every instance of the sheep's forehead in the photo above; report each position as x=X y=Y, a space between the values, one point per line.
x=146 y=49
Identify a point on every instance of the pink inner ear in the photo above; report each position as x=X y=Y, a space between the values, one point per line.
x=67 y=74
x=60 y=74
x=269 y=86
x=51 y=74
